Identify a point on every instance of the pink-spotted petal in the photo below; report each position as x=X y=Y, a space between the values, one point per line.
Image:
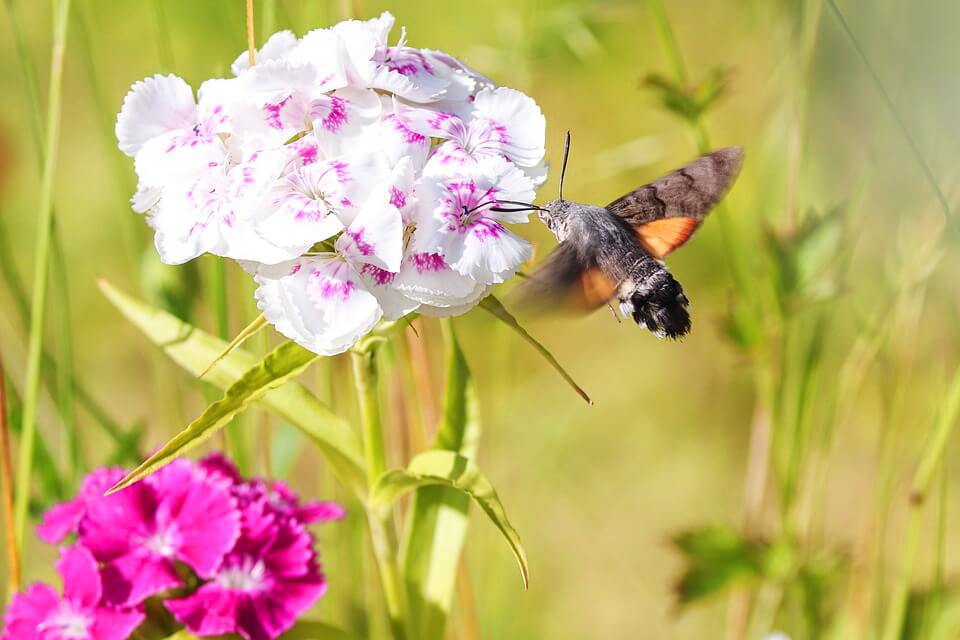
x=513 y=122
x=154 y=106
x=491 y=253
x=375 y=237
x=426 y=278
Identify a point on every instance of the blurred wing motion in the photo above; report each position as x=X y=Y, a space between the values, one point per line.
x=569 y=278
x=666 y=212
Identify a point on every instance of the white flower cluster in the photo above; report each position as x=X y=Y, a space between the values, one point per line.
x=356 y=181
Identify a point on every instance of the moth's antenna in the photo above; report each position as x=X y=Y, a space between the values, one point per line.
x=563 y=169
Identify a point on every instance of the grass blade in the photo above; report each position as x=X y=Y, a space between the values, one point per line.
x=496 y=308
x=41 y=271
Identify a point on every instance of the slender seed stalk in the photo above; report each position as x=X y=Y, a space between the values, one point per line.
x=931 y=458
x=894 y=113
x=6 y=478
x=382 y=531
x=41 y=271
x=251 y=36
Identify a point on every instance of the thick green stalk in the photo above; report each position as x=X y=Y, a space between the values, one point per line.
x=41 y=271
x=931 y=458
x=382 y=532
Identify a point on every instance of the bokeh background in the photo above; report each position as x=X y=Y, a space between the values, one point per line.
x=824 y=293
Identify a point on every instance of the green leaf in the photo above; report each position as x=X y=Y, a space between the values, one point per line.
x=449 y=469
x=495 y=307
x=439 y=515
x=193 y=350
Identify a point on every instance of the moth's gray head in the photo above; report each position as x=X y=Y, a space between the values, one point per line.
x=555 y=215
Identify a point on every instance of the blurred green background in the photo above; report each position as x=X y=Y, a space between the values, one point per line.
x=597 y=492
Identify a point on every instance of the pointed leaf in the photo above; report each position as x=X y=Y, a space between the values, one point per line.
x=277 y=367
x=193 y=349
x=495 y=307
x=446 y=468
x=439 y=515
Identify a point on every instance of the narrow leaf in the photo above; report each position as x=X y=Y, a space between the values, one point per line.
x=251 y=329
x=446 y=468
x=277 y=367
x=439 y=515
x=193 y=349
x=495 y=307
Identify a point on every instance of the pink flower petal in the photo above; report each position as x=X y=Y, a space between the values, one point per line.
x=81 y=579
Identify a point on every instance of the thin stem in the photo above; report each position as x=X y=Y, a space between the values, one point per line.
x=382 y=531
x=251 y=37
x=894 y=113
x=931 y=457
x=6 y=476
x=41 y=271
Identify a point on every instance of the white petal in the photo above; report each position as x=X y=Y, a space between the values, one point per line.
x=153 y=107
x=276 y=47
x=524 y=128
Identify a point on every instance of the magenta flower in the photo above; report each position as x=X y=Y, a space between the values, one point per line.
x=263 y=584
x=279 y=497
x=64 y=519
x=179 y=513
x=40 y=614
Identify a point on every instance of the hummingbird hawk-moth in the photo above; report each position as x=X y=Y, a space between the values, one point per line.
x=616 y=251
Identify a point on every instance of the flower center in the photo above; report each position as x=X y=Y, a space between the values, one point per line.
x=246 y=575
x=161 y=543
x=68 y=624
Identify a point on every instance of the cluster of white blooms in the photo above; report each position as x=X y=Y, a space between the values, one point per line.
x=355 y=180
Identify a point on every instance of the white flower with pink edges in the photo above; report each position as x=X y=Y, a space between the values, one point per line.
x=358 y=179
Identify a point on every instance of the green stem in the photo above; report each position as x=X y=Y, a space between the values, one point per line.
x=382 y=531
x=931 y=458
x=41 y=271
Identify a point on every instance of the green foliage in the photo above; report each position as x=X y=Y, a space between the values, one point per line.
x=718 y=558
x=805 y=261
x=171 y=288
x=446 y=468
x=691 y=102
x=193 y=350
x=439 y=515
